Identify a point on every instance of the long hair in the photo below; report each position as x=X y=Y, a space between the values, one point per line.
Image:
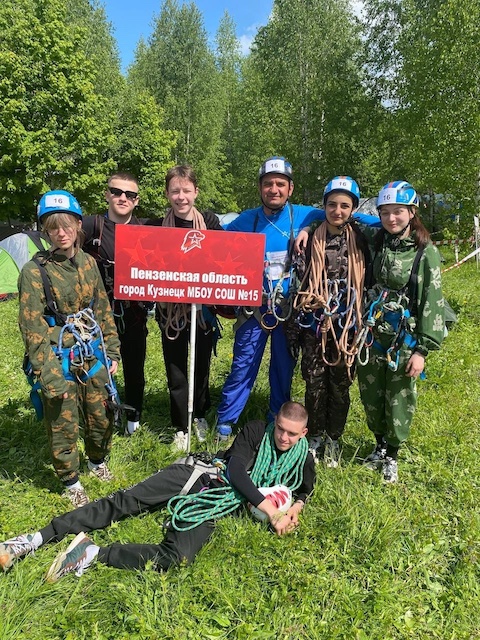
x=422 y=236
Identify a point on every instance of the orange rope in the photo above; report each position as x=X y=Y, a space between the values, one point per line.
x=313 y=293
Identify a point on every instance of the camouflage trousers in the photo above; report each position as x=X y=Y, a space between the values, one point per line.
x=62 y=419
x=327 y=388
x=389 y=397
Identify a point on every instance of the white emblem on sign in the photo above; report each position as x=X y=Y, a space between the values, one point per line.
x=192 y=240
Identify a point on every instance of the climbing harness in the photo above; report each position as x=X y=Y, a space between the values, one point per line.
x=365 y=336
x=82 y=359
x=189 y=511
x=279 y=307
x=399 y=314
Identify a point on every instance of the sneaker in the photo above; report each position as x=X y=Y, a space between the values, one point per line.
x=131 y=427
x=77 y=497
x=15 y=548
x=331 y=455
x=315 y=445
x=224 y=430
x=201 y=427
x=100 y=471
x=374 y=460
x=180 y=441
x=77 y=557
x=390 y=470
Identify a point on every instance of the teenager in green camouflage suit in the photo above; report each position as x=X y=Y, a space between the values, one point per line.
x=76 y=285
x=389 y=396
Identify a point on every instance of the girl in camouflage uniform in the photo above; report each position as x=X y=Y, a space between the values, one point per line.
x=75 y=284
x=406 y=318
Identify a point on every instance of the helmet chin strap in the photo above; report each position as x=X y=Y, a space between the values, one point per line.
x=398 y=236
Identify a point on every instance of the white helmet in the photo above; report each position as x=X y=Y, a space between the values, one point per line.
x=279 y=495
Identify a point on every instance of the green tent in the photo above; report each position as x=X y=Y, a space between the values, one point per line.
x=15 y=251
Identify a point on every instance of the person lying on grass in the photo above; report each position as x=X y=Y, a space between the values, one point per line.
x=197 y=491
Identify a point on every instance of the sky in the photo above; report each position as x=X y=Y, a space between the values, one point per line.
x=133 y=20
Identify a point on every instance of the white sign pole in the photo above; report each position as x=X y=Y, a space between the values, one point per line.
x=191 y=371
x=476 y=223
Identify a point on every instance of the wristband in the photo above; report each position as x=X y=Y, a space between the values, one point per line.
x=421 y=350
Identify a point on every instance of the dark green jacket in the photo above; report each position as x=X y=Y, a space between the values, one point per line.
x=76 y=284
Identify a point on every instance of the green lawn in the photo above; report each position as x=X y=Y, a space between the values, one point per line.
x=368 y=562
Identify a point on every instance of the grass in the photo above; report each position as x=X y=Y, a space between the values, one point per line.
x=368 y=562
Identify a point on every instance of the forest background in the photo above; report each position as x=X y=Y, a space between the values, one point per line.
x=392 y=94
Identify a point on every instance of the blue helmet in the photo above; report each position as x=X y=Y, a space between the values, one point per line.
x=398 y=192
x=346 y=184
x=276 y=164
x=58 y=202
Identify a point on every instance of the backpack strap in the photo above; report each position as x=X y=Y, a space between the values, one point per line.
x=36 y=237
x=412 y=284
x=52 y=307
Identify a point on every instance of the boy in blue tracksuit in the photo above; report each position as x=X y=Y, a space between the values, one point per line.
x=280 y=222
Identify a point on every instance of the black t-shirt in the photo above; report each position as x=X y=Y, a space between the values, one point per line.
x=211 y=221
x=100 y=243
x=240 y=458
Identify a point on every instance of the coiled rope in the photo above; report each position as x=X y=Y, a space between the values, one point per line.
x=191 y=510
x=315 y=291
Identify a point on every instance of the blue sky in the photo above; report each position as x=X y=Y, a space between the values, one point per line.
x=133 y=20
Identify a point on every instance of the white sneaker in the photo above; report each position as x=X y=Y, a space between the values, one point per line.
x=15 y=548
x=374 y=460
x=201 y=427
x=132 y=426
x=100 y=471
x=315 y=445
x=180 y=441
x=390 y=470
x=332 y=453
x=77 y=496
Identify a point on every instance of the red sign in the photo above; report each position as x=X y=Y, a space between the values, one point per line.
x=167 y=264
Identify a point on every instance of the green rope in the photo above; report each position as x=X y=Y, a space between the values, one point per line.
x=189 y=511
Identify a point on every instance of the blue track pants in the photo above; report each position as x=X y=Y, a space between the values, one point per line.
x=248 y=348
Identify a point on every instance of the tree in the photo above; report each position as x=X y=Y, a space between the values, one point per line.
x=428 y=72
x=179 y=70
x=308 y=71
x=98 y=44
x=143 y=146
x=50 y=132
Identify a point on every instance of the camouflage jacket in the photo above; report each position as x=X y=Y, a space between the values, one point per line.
x=391 y=269
x=76 y=284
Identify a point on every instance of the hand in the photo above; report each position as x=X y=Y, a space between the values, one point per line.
x=289 y=522
x=294 y=350
x=113 y=367
x=301 y=240
x=415 y=365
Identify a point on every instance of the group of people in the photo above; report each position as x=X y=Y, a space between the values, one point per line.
x=355 y=293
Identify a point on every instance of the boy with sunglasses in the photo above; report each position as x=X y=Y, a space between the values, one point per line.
x=130 y=317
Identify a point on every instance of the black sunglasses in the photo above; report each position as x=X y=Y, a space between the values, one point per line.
x=131 y=195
